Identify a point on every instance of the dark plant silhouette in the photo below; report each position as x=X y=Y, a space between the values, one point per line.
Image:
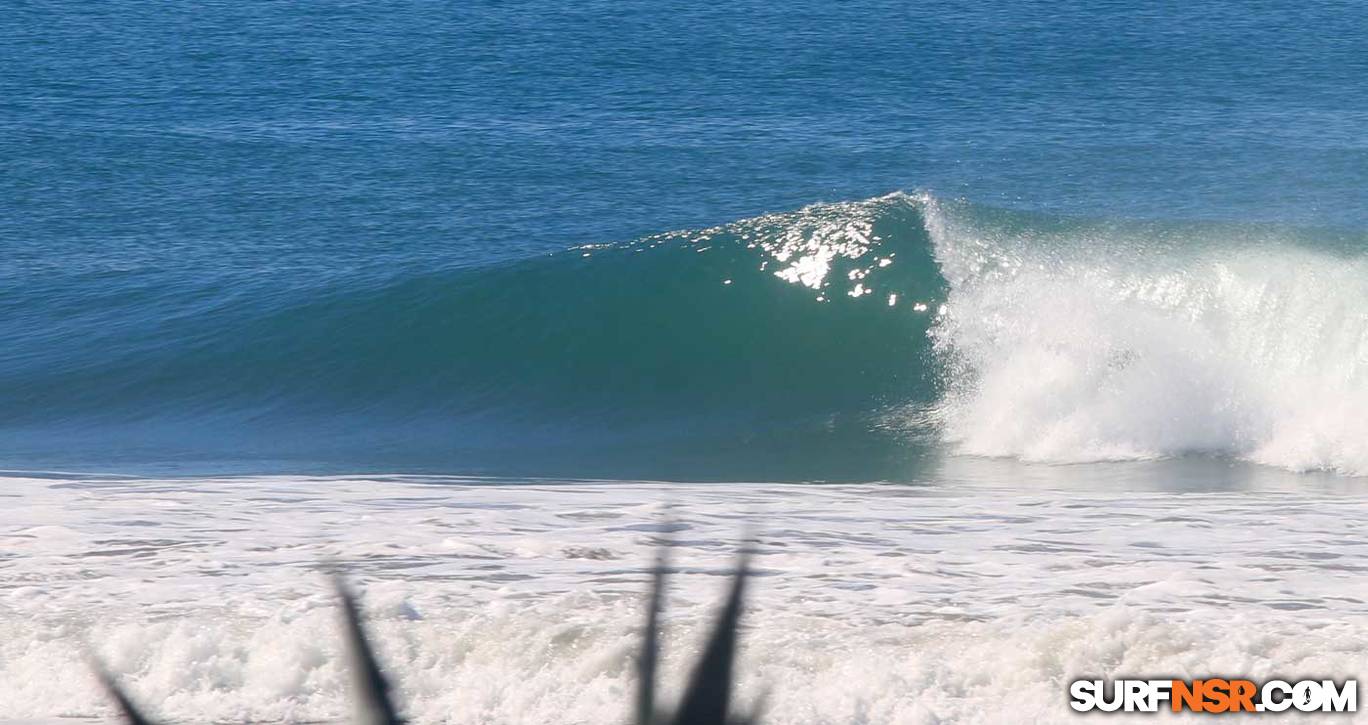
x=706 y=700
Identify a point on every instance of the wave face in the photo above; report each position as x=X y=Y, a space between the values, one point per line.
x=768 y=347
x=838 y=341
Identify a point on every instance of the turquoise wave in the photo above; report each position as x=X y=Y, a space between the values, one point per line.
x=762 y=337
x=838 y=341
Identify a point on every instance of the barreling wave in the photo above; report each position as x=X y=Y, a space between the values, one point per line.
x=837 y=341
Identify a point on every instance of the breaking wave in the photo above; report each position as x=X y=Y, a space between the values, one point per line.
x=842 y=340
x=1099 y=342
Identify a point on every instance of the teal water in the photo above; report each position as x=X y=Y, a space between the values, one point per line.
x=768 y=242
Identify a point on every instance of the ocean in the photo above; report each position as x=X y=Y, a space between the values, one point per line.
x=1030 y=339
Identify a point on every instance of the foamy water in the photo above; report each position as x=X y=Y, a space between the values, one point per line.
x=1100 y=344
x=521 y=602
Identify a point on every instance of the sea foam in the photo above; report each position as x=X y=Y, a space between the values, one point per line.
x=524 y=603
x=1099 y=342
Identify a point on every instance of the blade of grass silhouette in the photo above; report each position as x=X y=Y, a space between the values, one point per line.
x=706 y=700
x=372 y=691
x=708 y=695
x=650 y=640
x=130 y=712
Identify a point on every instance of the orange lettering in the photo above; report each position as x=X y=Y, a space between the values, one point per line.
x=1185 y=697
x=1216 y=694
x=1242 y=695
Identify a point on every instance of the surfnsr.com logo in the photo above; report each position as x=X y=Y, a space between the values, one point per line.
x=1213 y=695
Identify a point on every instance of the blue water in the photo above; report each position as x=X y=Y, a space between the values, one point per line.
x=301 y=236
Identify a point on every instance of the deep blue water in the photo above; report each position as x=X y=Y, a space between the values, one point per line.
x=280 y=236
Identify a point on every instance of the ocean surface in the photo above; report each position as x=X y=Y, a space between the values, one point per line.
x=953 y=301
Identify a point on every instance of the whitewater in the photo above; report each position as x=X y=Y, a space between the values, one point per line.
x=1106 y=343
x=521 y=601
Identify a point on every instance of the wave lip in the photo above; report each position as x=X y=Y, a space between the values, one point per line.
x=1081 y=344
